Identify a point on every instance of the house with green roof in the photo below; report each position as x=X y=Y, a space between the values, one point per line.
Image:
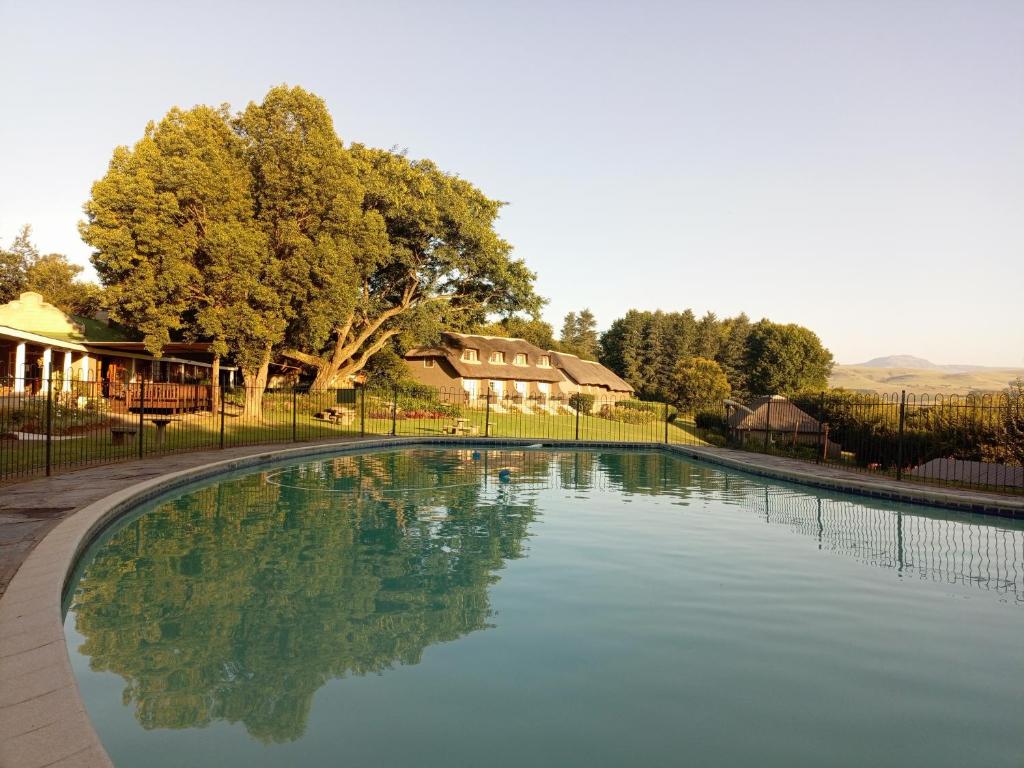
x=39 y=343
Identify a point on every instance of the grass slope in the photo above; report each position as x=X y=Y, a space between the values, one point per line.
x=922 y=380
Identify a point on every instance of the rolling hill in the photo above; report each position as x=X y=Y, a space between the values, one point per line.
x=920 y=376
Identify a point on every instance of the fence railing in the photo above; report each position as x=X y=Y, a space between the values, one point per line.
x=974 y=441
x=49 y=426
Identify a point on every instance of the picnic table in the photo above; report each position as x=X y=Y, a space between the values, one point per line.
x=462 y=427
x=337 y=415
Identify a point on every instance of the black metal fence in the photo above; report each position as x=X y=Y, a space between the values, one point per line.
x=50 y=426
x=974 y=441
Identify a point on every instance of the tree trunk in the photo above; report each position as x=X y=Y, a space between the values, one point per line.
x=215 y=383
x=255 y=381
x=324 y=380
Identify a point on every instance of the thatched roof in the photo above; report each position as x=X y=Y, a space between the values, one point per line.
x=784 y=416
x=588 y=373
x=453 y=345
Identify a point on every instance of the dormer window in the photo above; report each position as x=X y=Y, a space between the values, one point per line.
x=545 y=361
x=520 y=359
x=428 y=363
x=470 y=356
x=498 y=358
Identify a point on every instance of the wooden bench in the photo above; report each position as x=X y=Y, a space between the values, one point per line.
x=118 y=432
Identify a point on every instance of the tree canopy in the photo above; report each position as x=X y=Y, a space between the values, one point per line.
x=785 y=359
x=533 y=330
x=699 y=383
x=265 y=234
x=23 y=268
x=579 y=335
x=645 y=348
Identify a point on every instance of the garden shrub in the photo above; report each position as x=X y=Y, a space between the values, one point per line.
x=712 y=421
x=581 y=401
x=628 y=415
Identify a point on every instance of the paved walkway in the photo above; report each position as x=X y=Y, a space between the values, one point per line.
x=29 y=510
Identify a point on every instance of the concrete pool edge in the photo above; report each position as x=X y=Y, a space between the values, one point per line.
x=43 y=721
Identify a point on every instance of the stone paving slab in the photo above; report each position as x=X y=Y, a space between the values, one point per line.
x=45 y=525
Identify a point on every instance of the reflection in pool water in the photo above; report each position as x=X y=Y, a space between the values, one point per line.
x=651 y=611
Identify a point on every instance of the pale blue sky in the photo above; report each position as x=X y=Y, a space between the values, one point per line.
x=857 y=167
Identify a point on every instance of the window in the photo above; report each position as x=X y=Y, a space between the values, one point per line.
x=498 y=358
x=470 y=356
x=520 y=359
x=545 y=361
x=428 y=362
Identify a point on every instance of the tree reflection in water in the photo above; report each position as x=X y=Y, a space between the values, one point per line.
x=239 y=600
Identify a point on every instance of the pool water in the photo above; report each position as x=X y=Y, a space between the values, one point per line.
x=542 y=608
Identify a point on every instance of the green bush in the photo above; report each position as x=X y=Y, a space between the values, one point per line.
x=581 y=401
x=712 y=421
x=650 y=406
x=628 y=415
x=642 y=405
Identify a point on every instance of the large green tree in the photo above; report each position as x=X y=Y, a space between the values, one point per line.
x=579 y=334
x=14 y=263
x=441 y=265
x=785 y=359
x=23 y=268
x=177 y=246
x=533 y=330
x=56 y=279
x=699 y=383
x=262 y=233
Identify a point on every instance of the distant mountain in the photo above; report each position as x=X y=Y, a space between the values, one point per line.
x=899 y=361
x=920 y=364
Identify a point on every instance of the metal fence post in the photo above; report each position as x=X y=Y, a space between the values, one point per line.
x=394 y=413
x=487 y=414
x=362 y=410
x=577 y=409
x=221 y=389
x=49 y=425
x=295 y=414
x=142 y=414
x=768 y=425
x=821 y=416
x=899 y=435
x=666 y=423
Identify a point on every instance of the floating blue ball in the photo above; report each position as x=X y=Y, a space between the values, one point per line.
x=505 y=475
x=476 y=455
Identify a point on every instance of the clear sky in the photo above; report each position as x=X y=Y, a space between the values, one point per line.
x=857 y=167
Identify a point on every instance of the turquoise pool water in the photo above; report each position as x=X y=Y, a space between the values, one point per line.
x=539 y=608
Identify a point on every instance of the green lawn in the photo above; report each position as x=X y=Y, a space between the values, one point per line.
x=24 y=458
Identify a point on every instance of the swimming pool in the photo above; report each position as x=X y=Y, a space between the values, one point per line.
x=538 y=607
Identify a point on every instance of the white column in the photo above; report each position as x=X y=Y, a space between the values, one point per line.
x=66 y=384
x=131 y=370
x=19 y=368
x=47 y=360
x=85 y=367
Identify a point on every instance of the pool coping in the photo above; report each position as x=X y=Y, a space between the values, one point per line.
x=43 y=720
